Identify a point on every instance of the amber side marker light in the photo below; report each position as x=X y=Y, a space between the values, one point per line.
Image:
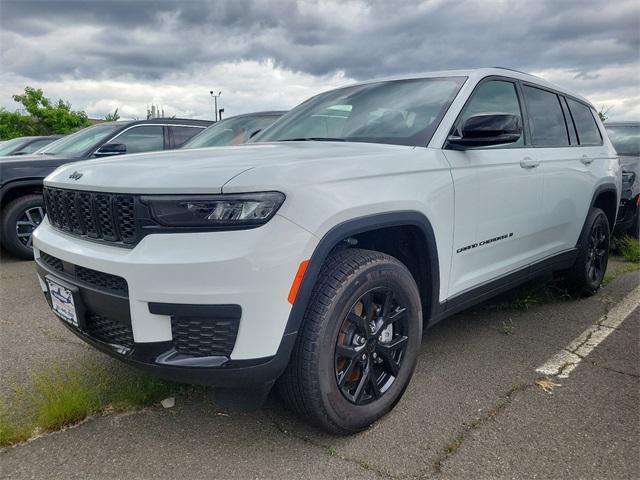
x=295 y=286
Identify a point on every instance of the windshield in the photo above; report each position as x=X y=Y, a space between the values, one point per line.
x=232 y=131
x=79 y=142
x=625 y=139
x=401 y=112
x=10 y=145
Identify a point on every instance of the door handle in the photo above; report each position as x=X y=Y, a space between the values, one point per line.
x=585 y=159
x=528 y=162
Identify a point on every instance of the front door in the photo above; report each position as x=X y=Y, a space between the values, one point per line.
x=498 y=198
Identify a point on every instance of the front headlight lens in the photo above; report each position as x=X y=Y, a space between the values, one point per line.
x=246 y=209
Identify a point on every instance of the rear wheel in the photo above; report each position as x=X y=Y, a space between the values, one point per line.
x=588 y=271
x=19 y=219
x=359 y=343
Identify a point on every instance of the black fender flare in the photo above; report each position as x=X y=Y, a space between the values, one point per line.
x=600 y=189
x=353 y=227
x=7 y=187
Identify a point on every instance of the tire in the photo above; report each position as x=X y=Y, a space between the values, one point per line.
x=29 y=211
x=335 y=322
x=586 y=275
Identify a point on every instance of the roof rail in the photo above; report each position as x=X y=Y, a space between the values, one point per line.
x=513 y=70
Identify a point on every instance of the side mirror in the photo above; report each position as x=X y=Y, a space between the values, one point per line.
x=486 y=129
x=109 y=149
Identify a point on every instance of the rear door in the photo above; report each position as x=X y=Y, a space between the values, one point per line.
x=498 y=197
x=567 y=162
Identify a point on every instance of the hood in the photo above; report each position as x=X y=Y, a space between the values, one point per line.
x=203 y=170
x=29 y=166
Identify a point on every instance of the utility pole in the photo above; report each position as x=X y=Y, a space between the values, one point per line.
x=215 y=102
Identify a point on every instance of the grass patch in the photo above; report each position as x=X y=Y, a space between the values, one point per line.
x=629 y=249
x=614 y=272
x=12 y=431
x=62 y=396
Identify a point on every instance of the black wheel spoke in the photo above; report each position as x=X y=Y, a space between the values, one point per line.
x=360 y=323
x=395 y=316
x=386 y=306
x=346 y=351
x=373 y=381
x=346 y=373
x=367 y=303
x=362 y=384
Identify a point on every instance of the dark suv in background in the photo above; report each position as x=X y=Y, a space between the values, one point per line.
x=625 y=137
x=21 y=176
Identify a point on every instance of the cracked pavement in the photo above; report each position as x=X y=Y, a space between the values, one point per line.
x=472 y=410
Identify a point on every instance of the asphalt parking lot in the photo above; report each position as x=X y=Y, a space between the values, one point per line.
x=472 y=410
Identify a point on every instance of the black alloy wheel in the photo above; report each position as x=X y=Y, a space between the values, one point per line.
x=27 y=223
x=370 y=346
x=598 y=252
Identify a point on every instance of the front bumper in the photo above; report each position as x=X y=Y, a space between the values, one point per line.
x=242 y=277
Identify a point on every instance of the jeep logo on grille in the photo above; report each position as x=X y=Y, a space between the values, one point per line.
x=75 y=175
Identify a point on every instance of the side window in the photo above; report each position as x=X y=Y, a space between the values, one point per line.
x=37 y=145
x=182 y=134
x=495 y=96
x=145 y=138
x=588 y=133
x=546 y=120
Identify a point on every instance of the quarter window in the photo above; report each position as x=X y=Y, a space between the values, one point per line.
x=588 y=133
x=546 y=120
x=495 y=96
x=145 y=138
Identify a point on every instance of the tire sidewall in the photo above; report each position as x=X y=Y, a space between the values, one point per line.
x=339 y=409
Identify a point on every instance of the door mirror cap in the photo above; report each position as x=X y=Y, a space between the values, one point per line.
x=109 y=149
x=487 y=129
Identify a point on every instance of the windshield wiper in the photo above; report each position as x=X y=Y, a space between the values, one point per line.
x=313 y=139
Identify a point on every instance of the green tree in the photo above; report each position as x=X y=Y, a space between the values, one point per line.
x=112 y=117
x=42 y=116
x=603 y=113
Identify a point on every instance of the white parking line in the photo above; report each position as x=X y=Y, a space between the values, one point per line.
x=567 y=359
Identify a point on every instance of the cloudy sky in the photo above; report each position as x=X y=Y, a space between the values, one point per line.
x=268 y=54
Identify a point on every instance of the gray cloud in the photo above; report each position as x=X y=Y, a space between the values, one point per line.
x=155 y=40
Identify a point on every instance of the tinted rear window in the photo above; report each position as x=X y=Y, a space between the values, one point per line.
x=588 y=133
x=546 y=120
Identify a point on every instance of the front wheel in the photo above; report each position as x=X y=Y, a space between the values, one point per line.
x=19 y=219
x=359 y=342
x=585 y=277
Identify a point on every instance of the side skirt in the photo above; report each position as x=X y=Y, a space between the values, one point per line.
x=464 y=300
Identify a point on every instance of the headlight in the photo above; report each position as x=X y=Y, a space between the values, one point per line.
x=241 y=210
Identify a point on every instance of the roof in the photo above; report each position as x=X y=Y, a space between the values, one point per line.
x=265 y=113
x=167 y=121
x=477 y=74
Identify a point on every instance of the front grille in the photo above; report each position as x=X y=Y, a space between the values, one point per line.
x=204 y=337
x=102 y=216
x=107 y=330
x=103 y=280
x=52 y=261
x=91 y=277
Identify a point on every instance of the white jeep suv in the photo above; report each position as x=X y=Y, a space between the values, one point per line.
x=315 y=257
